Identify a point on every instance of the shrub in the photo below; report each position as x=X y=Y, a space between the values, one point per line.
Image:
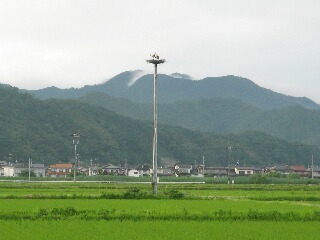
x=25 y=173
x=175 y=194
x=258 y=178
x=293 y=176
x=136 y=193
x=274 y=174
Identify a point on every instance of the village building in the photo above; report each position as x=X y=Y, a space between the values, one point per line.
x=300 y=170
x=284 y=169
x=111 y=169
x=165 y=171
x=59 y=170
x=243 y=171
x=133 y=173
x=38 y=169
x=90 y=171
x=15 y=169
x=183 y=169
x=144 y=169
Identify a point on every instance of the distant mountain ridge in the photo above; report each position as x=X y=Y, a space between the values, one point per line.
x=174 y=89
x=42 y=130
x=222 y=115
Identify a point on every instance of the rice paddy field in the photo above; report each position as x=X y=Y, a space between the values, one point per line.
x=34 y=210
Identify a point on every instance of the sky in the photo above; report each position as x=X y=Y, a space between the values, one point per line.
x=72 y=43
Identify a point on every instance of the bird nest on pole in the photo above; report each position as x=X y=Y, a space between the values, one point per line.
x=156 y=61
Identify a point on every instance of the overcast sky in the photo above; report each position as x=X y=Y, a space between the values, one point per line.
x=72 y=43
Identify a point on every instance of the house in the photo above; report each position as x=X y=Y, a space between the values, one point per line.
x=183 y=169
x=165 y=171
x=167 y=162
x=60 y=170
x=313 y=172
x=38 y=169
x=144 y=169
x=2 y=164
x=93 y=171
x=133 y=173
x=289 y=169
x=13 y=170
x=243 y=171
x=111 y=169
x=88 y=171
x=198 y=170
x=300 y=170
x=140 y=171
x=83 y=170
x=262 y=170
x=284 y=169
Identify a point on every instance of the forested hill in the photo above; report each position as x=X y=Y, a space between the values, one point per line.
x=31 y=128
x=172 y=89
x=222 y=115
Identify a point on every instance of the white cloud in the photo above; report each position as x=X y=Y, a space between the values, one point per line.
x=79 y=42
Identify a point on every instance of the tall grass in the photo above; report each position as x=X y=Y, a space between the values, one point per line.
x=71 y=213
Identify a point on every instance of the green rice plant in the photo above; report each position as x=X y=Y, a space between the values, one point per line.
x=159 y=230
x=135 y=193
x=174 y=194
x=184 y=215
x=286 y=198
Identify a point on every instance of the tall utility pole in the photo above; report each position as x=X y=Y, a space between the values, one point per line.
x=155 y=61
x=229 y=159
x=30 y=163
x=76 y=140
x=312 y=166
x=203 y=165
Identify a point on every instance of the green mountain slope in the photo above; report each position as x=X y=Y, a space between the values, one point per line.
x=222 y=115
x=172 y=89
x=41 y=130
x=291 y=123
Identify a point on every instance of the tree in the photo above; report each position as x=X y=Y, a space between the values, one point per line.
x=25 y=173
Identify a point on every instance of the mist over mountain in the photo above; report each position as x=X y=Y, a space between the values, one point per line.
x=180 y=75
x=172 y=89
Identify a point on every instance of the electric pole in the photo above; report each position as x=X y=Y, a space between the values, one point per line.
x=155 y=61
x=203 y=165
x=30 y=163
x=76 y=140
x=229 y=159
x=312 y=166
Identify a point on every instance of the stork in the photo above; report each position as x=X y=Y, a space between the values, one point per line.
x=155 y=56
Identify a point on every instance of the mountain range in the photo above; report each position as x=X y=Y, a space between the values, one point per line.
x=221 y=115
x=172 y=89
x=226 y=104
x=42 y=130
